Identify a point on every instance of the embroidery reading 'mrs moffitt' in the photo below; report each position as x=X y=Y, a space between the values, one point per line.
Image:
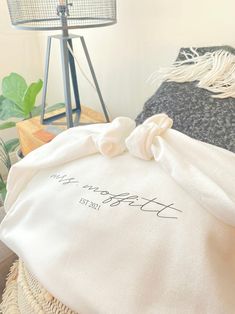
x=150 y=205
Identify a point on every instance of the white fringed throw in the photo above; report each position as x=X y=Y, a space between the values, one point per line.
x=214 y=71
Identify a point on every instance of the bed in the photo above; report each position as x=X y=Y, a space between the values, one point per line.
x=114 y=218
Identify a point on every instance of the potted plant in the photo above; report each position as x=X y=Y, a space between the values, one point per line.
x=5 y=165
x=18 y=102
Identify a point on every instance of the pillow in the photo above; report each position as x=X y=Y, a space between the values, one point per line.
x=194 y=111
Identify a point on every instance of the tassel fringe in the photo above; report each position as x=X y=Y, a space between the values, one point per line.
x=9 y=303
x=25 y=295
x=214 y=71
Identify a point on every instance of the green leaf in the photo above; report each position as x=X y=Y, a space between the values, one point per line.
x=4 y=155
x=12 y=144
x=14 y=88
x=30 y=97
x=7 y=125
x=4 y=193
x=2 y=184
x=37 y=110
x=8 y=109
x=3 y=189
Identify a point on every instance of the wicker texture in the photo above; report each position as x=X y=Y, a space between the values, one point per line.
x=42 y=14
x=25 y=295
x=7 y=257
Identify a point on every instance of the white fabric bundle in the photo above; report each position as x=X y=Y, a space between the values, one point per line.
x=214 y=71
x=132 y=234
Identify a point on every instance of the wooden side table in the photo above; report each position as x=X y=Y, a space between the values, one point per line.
x=33 y=135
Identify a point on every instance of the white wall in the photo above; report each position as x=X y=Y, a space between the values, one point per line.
x=19 y=52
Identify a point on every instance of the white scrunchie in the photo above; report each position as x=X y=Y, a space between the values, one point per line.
x=140 y=141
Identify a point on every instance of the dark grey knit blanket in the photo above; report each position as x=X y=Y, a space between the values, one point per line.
x=194 y=111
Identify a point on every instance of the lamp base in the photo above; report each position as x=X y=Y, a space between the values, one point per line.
x=69 y=70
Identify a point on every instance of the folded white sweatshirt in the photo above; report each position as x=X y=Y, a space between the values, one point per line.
x=137 y=233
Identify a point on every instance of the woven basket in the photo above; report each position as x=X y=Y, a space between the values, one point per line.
x=24 y=295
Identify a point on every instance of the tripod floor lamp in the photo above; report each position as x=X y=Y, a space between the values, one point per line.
x=63 y=15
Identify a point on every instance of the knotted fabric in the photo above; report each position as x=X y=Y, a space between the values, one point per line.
x=113 y=235
x=111 y=142
x=139 y=143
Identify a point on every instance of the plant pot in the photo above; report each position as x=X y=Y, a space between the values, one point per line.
x=13 y=157
x=16 y=156
x=2 y=213
x=9 y=133
x=1 y=206
x=19 y=154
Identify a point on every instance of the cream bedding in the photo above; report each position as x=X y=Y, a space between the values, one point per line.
x=150 y=230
